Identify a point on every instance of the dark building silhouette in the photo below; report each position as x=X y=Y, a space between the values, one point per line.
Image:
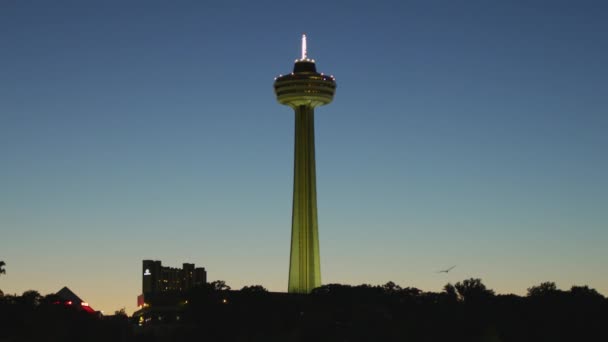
x=157 y=279
x=68 y=298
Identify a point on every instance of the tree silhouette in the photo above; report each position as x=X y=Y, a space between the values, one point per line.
x=451 y=292
x=254 y=289
x=219 y=285
x=544 y=289
x=122 y=313
x=584 y=292
x=411 y=291
x=2 y=270
x=391 y=287
x=51 y=298
x=31 y=298
x=473 y=290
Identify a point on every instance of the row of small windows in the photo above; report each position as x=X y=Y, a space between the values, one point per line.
x=307 y=77
x=315 y=84
x=304 y=86
x=307 y=91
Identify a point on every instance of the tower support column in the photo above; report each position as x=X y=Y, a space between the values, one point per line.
x=304 y=265
x=303 y=90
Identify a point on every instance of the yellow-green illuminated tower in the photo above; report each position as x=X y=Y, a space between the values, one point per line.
x=303 y=90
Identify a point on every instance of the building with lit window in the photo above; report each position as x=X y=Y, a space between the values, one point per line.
x=164 y=290
x=67 y=297
x=158 y=279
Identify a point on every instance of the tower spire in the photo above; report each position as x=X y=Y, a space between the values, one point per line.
x=304 y=57
x=303 y=90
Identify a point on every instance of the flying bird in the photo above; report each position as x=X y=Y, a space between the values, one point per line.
x=446 y=270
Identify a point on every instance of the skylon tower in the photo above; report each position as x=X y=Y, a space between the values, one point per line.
x=303 y=90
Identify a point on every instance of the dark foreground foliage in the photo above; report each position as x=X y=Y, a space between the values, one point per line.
x=465 y=311
x=31 y=317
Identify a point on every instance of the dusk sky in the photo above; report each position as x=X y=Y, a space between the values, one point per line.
x=468 y=133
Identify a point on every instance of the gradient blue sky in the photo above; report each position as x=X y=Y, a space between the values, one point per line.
x=469 y=133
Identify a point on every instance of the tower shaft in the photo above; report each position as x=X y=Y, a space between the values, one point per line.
x=303 y=90
x=304 y=264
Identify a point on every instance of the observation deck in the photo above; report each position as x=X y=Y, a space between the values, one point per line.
x=304 y=86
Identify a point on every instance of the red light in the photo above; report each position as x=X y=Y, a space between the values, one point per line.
x=69 y=302
x=84 y=304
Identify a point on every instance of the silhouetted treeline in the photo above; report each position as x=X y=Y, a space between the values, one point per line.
x=32 y=317
x=464 y=311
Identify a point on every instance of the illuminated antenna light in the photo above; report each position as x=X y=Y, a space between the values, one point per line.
x=303 y=47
